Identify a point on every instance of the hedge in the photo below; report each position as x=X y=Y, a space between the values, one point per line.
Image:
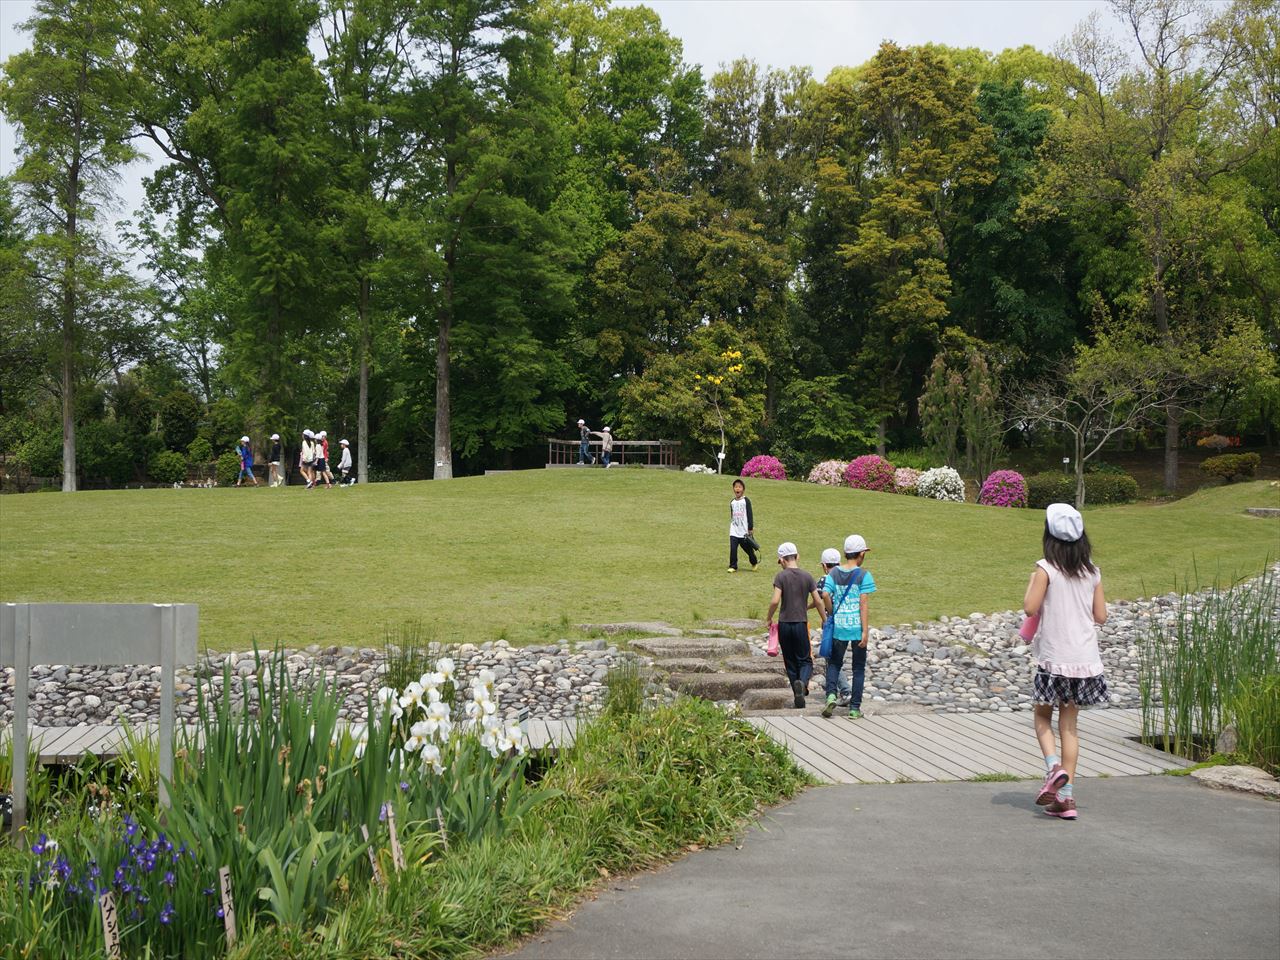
x=1232 y=466
x=1099 y=488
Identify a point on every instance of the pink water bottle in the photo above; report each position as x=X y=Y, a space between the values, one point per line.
x=1029 y=627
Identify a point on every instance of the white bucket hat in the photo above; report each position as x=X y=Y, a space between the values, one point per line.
x=854 y=543
x=275 y=436
x=307 y=433
x=321 y=434
x=343 y=443
x=787 y=549
x=831 y=556
x=244 y=439
x=1065 y=522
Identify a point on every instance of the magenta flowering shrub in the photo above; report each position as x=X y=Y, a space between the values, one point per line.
x=905 y=479
x=766 y=467
x=829 y=473
x=1004 y=488
x=871 y=472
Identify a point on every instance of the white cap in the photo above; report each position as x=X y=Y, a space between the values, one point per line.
x=831 y=556
x=787 y=549
x=275 y=436
x=582 y=423
x=606 y=429
x=244 y=439
x=307 y=433
x=1065 y=522
x=343 y=443
x=855 y=544
x=322 y=434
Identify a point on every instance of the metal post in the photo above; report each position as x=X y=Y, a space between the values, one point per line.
x=21 y=679
x=168 y=654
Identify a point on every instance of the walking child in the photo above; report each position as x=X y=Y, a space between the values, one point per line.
x=322 y=460
x=307 y=458
x=584 y=443
x=344 y=465
x=742 y=527
x=1065 y=592
x=606 y=445
x=275 y=476
x=831 y=560
x=245 y=450
x=844 y=593
x=792 y=590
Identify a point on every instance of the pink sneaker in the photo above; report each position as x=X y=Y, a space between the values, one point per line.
x=1064 y=808
x=1053 y=782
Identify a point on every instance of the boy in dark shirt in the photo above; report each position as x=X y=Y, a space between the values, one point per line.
x=792 y=590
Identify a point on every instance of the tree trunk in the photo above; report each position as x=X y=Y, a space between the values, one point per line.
x=68 y=333
x=1079 y=465
x=362 y=409
x=68 y=414
x=444 y=435
x=880 y=431
x=1171 y=429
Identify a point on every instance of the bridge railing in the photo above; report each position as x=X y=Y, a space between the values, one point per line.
x=646 y=453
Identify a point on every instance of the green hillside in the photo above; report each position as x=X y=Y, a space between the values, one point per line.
x=522 y=555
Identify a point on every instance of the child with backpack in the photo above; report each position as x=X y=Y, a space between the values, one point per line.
x=1065 y=594
x=845 y=592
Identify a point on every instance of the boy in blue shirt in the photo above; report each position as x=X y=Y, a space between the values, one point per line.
x=845 y=590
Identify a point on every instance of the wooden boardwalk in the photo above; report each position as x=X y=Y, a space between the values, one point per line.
x=885 y=749
x=957 y=746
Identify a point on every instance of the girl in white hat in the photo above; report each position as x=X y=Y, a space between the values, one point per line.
x=1065 y=594
x=344 y=465
x=275 y=477
x=307 y=458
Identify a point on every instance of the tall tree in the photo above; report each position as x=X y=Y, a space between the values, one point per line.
x=66 y=97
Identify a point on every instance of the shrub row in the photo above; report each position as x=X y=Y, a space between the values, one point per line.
x=1232 y=466
x=1099 y=488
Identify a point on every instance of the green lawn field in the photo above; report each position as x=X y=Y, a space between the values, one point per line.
x=524 y=555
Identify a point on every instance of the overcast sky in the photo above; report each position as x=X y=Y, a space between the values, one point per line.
x=820 y=34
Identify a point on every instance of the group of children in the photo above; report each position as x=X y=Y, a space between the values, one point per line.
x=584 y=445
x=1064 y=605
x=313 y=462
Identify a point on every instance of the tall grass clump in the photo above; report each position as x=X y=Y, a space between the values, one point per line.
x=1216 y=664
x=626 y=685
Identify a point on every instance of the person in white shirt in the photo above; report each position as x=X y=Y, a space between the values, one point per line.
x=742 y=527
x=344 y=465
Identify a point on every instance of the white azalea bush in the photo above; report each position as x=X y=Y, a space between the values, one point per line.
x=941 y=483
x=698 y=468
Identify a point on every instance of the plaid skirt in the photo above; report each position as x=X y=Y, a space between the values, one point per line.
x=1082 y=691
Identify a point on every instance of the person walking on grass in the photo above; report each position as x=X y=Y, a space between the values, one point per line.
x=245 y=451
x=322 y=460
x=1065 y=593
x=307 y=458
x=792 y=590
x=844 y=593
x=584 y=443
x=831 y=560
x=344 y=465
x=742 y=528
x=275 y=476
x=606 y=445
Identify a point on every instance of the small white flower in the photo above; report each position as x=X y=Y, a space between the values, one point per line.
x=437 y=680
x=445 y=667
x=487 y=677
x=412 y=696
x=438 y=711
x=433 y=695
x=490 y=708
x=386 y=696
x=473 y=710
x=431 y=759
x=491 y=722
x=422 y=729
x=446 y=728
x=413 y=744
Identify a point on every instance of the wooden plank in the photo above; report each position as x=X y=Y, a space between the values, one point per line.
x=882 y=767
x=964 y=749
x=809 y=751
x=779 y=737
x=1110 y=738
x=1091 y=763
x=869 y=738
x=1023 y=761
x=922 y=748
x=54 y=741
x=1022 y=742
x=823 y=749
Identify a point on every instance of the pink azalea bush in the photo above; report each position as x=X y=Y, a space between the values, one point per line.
x=871 y=472
x=905 y=479
x=829 y=473
x=1004 y=488
x=765 y=467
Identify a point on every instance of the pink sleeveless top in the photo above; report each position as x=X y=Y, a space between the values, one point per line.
x=1067 y=642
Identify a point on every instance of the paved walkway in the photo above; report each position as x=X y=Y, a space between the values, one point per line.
x=1155 y=867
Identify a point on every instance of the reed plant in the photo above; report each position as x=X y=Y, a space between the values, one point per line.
x=1211 y=666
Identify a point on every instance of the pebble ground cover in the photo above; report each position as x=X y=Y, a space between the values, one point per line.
x=525 y=555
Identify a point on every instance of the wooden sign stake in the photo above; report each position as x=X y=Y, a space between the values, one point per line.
x=397 y=853
x=373 y=858
x=228 y=905
x=110 y=924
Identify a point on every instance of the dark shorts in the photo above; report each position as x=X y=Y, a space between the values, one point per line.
x=1051 y=689
x=321 y=463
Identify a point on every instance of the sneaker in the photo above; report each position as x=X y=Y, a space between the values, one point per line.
x=1054 y=781
x=855 y=714
x=830 y=708
x=755 y=566
x=733 y=569
x=1064 y=808
x=797 y=688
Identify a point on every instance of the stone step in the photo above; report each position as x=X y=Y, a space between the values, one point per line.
x=717 y=686
x=742 y=624
x=766 y=699
x=666 y=648
x=651 y=627
x=764 y=665
x=686 y=665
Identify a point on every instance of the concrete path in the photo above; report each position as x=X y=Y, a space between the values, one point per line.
x=1156 y=867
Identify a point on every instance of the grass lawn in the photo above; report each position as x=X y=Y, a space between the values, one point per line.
x=524 y=555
